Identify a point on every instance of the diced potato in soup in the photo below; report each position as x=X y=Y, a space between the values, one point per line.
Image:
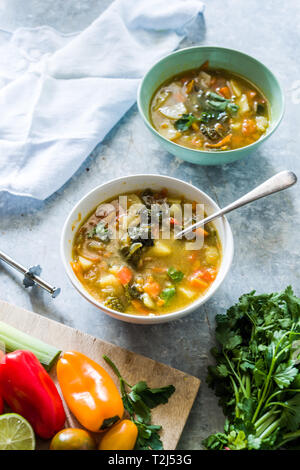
x=210 y=109
x=125 y=261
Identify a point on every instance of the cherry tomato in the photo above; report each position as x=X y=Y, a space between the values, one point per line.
x=72 y=439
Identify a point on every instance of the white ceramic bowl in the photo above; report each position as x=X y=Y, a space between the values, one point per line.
x=130 y=184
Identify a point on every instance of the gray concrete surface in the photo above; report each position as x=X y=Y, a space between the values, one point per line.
x=266 y=233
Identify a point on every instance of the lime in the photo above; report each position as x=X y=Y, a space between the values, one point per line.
x=15 y=433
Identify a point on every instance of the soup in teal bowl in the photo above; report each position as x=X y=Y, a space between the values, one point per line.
x=210 y=105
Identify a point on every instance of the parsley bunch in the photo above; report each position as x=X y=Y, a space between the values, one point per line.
x=138 y=402
x=257 y=373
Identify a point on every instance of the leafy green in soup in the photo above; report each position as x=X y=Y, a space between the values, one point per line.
x=210 y=109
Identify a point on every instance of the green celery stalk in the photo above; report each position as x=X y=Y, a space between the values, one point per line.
x=14 y=339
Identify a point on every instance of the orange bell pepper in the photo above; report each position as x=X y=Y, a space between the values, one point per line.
x=139 y=306
x=197 y=281
x=226 y=140
x=77 y=269
x=248 y=127
x=124 y=275
x=152 y=288
x=209 y=275
x=122 y=436
x=190 y=86
x=225 y=92
x=89 y=391
x=200 y=231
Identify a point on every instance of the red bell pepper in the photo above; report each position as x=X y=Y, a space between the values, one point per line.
x=1 y=401
x=29 y=390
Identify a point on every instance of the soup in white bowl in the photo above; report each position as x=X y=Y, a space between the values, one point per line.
x=119 y=250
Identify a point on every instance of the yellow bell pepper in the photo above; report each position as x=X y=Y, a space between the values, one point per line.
x=89 y=391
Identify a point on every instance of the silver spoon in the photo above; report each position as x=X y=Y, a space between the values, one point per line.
x=278 y=182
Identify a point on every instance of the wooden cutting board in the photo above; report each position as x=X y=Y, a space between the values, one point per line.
x=172 y=416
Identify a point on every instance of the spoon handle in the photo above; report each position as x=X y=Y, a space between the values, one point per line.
x=278 y=182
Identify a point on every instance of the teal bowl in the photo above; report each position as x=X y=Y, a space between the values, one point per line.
x=219 y=57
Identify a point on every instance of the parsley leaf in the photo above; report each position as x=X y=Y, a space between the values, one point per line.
x=175 y=275
x=153 y=397
x=148 y=438
x=285 y=374
x=223 y=371
x=220 y=104
x=185 y=122
x=291 y=413
x=167 y=294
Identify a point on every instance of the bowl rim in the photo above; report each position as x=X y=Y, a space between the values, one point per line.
x=213 y=152
x=228 y=245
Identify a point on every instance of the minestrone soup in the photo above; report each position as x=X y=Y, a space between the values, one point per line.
x=125 y=254
x=209 y=109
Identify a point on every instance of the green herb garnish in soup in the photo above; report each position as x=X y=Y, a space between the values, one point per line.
x=207 y=109
x=125 y=254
